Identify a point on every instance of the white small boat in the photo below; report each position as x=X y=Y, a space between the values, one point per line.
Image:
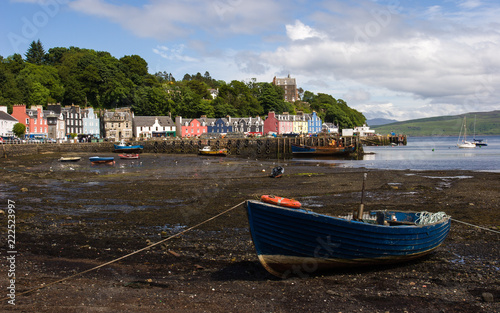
x=464 y=143
x=70 y=159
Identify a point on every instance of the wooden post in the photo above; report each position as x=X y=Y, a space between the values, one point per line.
x=362 y=205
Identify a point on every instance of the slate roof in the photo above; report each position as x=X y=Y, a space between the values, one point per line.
x=150 y=120
x=7 y=117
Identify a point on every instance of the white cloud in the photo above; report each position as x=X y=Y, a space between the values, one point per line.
x=444 y=65
x=175 y=53
x=413 y=59
x=164 y=20
x=470 y=4
x=299 y=31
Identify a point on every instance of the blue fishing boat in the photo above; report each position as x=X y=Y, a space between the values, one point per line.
x=97 y=160
x=298 y=242
x=127 y=147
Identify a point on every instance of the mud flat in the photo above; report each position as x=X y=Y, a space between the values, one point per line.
x=71 y=217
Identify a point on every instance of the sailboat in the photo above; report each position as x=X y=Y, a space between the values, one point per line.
x=464 y=143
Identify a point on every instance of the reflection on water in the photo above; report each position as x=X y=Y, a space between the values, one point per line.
x=428 y=153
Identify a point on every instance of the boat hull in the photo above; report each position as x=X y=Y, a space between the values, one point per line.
x=300 y=242
x=129 y=156
x=128 y=149
x=303 y=150
x=214 y=153
x=70 y=159
x=466 y=145
x=100 y=160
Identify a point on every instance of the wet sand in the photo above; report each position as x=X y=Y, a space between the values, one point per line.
x=71 y=217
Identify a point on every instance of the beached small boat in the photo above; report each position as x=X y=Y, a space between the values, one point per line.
x=129 y=156
x=127 y=147
x=101 y=160
x=70 y=159
x=299 y=242
x=305 y=150
x=207 y=150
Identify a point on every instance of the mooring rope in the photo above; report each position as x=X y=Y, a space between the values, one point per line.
x=130 y=254
x=483 y=228
x=425 y=217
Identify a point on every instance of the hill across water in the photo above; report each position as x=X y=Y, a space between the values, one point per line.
x=480 y=123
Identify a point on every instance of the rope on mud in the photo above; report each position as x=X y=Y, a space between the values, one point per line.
x=483 y=228
x=130 y=254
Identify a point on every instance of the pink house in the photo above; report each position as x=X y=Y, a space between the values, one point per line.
x=285 y=123
x=192 y=128
x=278 y=124
x=33 y=119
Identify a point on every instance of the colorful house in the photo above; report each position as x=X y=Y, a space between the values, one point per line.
x=314 y=123
x=33 y=119
x=300 y=125
x=220 y=125
x=190 y=128
x=285 y=123
x=91 y=123
x=271 y=124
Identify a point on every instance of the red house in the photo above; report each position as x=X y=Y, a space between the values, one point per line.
x=192 y=128
x=33 y=119
x=271 y=124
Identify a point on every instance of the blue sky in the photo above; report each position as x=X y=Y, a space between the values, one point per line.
x=392 y=59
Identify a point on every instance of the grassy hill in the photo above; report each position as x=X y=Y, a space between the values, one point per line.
x=487 y=123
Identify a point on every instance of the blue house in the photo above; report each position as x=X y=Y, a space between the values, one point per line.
x=91 y=123
x=314 y=123
x=221 y=125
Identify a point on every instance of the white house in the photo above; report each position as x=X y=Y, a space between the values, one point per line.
x=363 y=131
x=7 y=122
x=91 y=123
x=329 y=128
x=153 y=126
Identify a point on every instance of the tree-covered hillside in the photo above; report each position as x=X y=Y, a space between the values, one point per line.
x=87 y=77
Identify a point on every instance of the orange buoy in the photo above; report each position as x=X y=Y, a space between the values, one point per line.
x=289 y=203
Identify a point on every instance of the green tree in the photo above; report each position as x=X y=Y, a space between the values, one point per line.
x=35 y=53
x=19 y=130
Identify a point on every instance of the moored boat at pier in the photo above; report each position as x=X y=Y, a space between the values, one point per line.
x=127 y=148
x=207 y=150
x=305 y=150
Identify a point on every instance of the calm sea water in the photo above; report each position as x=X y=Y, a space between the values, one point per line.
x=430 y=153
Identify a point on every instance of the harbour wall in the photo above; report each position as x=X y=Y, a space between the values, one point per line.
x=384 y=140
x=259 y=148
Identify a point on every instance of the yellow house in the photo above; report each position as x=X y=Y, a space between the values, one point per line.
x=300 y=125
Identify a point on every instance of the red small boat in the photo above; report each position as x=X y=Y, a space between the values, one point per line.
x=289 y=203
x=128 y=156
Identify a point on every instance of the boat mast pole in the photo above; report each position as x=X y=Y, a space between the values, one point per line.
x=362 y=205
